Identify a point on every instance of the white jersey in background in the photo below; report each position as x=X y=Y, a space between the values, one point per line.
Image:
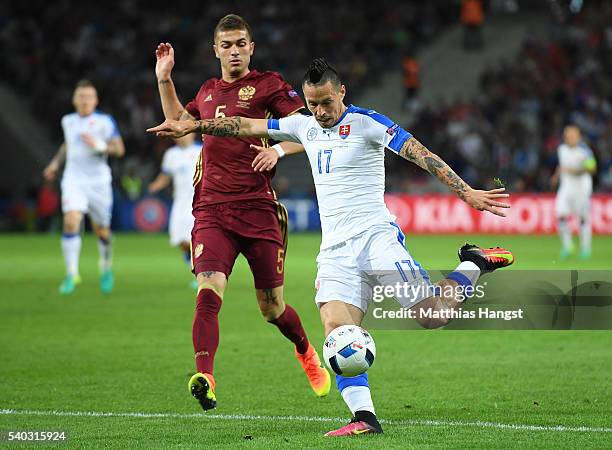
x=84 y=164
x=575 y=158
x=179 y=163
x=348 y=167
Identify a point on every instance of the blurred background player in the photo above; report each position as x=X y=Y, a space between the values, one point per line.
x=178 y=166
x=90 y=137
x=575 y=177
x=361 y=245
x=235 y=208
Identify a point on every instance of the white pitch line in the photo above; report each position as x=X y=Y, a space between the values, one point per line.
x=433 y=423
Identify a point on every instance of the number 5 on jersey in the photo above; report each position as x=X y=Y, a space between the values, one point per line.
x=327 y=163
x=219 y=112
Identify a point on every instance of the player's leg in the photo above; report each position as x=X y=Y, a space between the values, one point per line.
x=391 y=264
x=179 y=227
x=341 y=297
x=104 y=237
x=450 y=293
x=74 y=204
x=71 y=248
x=262 y=227
x=585 y=227
x=213 y=256
x=563 y=209
x=266 y=259
x=100 y=199
x=185 y=248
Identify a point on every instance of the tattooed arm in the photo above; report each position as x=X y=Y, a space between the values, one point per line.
x=414 y=151
x=223 y=127
x=417 y=153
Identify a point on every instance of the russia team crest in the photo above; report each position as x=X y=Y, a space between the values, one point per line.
x=344 y=131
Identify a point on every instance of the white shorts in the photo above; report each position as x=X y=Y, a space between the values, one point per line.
x=96 y=200
x=181 y=223
x=350 y=271
x=573 y=202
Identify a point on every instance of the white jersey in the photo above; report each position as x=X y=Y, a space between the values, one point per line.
x=84 y=164
x=179 y=163
x=575 y=158
x=348 y=167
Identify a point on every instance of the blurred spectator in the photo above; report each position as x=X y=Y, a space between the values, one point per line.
x=131 y=184
x=47 y=207
x=411 y=81
x=472 y=19
x=512 y=129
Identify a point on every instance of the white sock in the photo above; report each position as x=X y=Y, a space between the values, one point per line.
x=470 y=270
x=566 y=234
x=104 y=248
x=358 y=398
x=585 y=235
x=71 y=247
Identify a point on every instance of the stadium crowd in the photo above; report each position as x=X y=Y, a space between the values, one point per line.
x=510 y=131
x=46 y=53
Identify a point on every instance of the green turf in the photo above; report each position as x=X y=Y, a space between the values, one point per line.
x=131 y=352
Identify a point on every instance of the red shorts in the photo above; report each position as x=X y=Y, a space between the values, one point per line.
x=257 y=229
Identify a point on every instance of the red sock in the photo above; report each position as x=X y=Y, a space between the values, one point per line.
x=205 y=331
x=290 y=325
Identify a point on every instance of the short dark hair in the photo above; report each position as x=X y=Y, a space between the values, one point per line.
x=84 y=82
x=320 y=72
x=233 y=22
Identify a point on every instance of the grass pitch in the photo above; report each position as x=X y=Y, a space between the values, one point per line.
x=113 y=370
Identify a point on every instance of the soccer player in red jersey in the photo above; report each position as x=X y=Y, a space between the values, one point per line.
x=235 y=207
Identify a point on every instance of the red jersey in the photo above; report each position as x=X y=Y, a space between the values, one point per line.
x=224 y=171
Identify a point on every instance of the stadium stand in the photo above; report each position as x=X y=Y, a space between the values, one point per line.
x=509 y=131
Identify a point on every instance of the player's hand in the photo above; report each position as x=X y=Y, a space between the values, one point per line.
x=98 y=145
x=266 y=158
x=554 y=180
x=164 y=54
x=173 y=128
x=487 y=200
x=50 y=171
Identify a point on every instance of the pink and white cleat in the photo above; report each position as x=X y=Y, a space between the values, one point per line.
x=358 y=426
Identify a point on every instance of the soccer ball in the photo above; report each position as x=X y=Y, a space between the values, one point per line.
x=349 y=350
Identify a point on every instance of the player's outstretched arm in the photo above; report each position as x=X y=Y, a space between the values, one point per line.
x=414 y=151
x=160 y=182
x=554 y=179
x=164 y=62
x=267 y=157
x=50 y=172
x=221 y=127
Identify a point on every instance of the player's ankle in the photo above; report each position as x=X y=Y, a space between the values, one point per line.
x=367 y=417
x=211 y=379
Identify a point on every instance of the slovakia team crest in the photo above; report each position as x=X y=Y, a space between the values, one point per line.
x=344 y=131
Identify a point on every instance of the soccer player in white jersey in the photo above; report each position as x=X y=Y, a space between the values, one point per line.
x=361 y=245
x=178 y=167
x=90 y=137
x=574 y=174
